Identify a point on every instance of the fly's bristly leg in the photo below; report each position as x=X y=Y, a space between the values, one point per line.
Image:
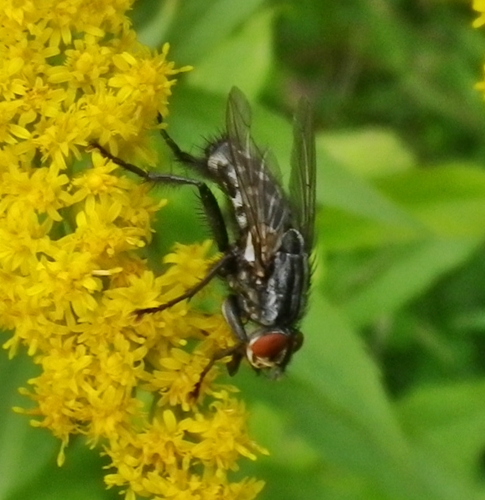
x=211 y=209
x=219 y=231
x=211 y=274
x=236 y=352
x=232 y=314
x=181 y=156
x=121 y=163
x=207 y=198
x=209 y=202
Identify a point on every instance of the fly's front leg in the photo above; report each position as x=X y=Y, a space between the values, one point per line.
x=236 y=351
x=232 y=315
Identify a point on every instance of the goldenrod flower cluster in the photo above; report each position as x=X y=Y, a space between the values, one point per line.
x=479 y=6
x=71 y=274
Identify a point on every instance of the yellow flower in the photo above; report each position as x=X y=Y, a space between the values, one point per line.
x=71 y=275
x=479 y=6
x=159 y=462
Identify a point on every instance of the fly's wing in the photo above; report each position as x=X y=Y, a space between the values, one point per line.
x=303 y=173
x=262 y=198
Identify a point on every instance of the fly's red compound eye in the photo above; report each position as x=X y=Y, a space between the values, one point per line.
x=273 y=349
x=269 y=346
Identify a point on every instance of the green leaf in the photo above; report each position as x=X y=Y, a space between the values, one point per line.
x=18 y=463
x=386 y=155
x=410 y=274
x=449 y=421
x=152 y=20
x=244 y=59
x=342 y=231
x=343 y=189
x=199 y=27
x=450 y=200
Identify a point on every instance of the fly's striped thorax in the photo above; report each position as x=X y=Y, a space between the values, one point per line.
x=280 y=296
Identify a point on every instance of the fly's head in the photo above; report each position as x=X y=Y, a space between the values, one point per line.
x=271 y=349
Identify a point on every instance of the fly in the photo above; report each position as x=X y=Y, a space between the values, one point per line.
x=266 y=263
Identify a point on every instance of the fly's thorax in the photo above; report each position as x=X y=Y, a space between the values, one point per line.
x=284 y=297
x=272 y=349
x=279 y=296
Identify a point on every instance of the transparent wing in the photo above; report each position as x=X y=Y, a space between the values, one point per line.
x=263 y=200
x=303 y=173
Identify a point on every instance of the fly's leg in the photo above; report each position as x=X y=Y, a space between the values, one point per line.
x=207 y=198
x=232 y=315
x=213 y=272
x=230 y=307
x=219 y=231
x=236 y=351
x=213 y=213
x=209 y=202
x=182 y=156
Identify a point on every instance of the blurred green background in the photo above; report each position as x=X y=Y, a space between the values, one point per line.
x=386 y=401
